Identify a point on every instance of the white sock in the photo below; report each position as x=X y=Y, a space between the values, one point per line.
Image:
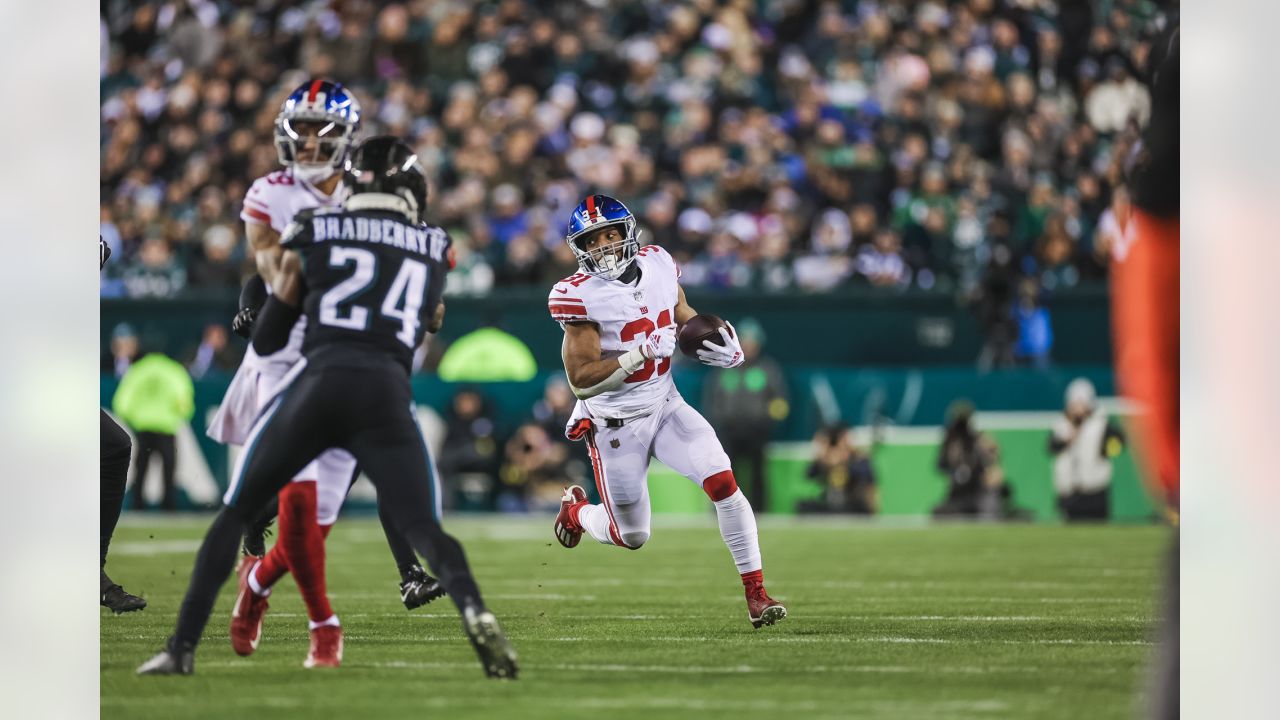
x=595 y=520
x=332 y=620
x=738 y=528
x=253 y=582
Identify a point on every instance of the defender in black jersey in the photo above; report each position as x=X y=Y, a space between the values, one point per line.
x=369 y=277
x=114 y=450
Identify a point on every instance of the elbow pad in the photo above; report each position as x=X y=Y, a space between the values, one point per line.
x=271 y=329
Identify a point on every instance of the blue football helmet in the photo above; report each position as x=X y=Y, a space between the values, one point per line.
x=335 y=115
x=605 y=261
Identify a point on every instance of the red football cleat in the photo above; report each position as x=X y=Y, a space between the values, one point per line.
x=246 y=614
x=762 y=609
x=568 y=531
x=326 y=647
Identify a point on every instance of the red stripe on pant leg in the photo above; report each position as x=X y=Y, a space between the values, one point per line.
x=720 y=486
x=597 y=466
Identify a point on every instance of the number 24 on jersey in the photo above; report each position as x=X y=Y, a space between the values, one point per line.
x=402 y=302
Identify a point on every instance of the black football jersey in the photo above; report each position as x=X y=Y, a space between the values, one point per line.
x=373 y=281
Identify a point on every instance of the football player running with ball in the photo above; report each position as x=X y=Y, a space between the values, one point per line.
x=620 y=317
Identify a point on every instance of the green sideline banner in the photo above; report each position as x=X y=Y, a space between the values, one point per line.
x=902 y=409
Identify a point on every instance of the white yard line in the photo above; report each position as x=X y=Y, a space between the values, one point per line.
x=155 y=547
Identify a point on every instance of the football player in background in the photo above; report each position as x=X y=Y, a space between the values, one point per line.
x=315 y=129
x=114 y=450
x=620 y=317
x=369 y=278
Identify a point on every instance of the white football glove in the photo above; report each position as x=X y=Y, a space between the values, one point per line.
x=728 y=355
x=661 y=343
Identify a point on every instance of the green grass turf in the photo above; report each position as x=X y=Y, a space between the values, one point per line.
x=885 y=621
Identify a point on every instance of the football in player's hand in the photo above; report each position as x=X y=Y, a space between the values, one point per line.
x=699 y=328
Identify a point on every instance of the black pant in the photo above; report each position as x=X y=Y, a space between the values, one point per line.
x=1085 y=506
x=114 y=450
x=746 y=453
x=149 y=442
x=317 y=411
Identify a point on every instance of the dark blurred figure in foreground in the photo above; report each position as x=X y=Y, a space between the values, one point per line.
x=849 y=481
x=1145 y=293
x=113 y=451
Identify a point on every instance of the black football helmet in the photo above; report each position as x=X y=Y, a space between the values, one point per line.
x=387 y=165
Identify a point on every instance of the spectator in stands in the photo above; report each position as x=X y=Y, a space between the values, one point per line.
x=971 y=461
x=745 y=404
x=213 y=353
x=1112 y=239
x=719 y=110
x=1112 y=103
x=123 y=351
x=881 y=263
x=1083 y=443
x=154 y=399
x=218 y=265
x=469 y=456
x=845 y=471
x=553 y=410
x=533 y=471
x=993 y=305
x=159 y=275
x=1035 y=332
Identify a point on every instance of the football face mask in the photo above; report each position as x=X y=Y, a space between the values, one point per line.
x=605 y=252
x=602 y=235
x=315 y=128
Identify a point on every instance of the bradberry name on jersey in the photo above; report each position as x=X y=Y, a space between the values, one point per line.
x=428 y=241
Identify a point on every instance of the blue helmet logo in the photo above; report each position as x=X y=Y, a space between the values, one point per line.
x=315 y=129
x=607 y=260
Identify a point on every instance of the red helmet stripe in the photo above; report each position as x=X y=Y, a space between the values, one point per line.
x=591 y=207
x=315 y=88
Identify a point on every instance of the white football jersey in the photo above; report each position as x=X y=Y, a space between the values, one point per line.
x=273 y=200
x=626 y=313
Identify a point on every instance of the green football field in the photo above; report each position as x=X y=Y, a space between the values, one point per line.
x=886 y=621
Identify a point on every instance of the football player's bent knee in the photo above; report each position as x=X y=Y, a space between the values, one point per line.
x=720 y=486
x=633 y=539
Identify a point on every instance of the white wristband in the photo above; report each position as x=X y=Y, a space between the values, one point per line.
x=632 y=360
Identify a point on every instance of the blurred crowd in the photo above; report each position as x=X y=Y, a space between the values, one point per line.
x=768 y=144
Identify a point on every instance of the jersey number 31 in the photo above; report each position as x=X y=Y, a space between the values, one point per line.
x=403 y=300
x=646 y=327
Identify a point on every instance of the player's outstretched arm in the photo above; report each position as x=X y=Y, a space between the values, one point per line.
x=590 y=374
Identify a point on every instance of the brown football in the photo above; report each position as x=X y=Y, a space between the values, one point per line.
x=699 y=328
